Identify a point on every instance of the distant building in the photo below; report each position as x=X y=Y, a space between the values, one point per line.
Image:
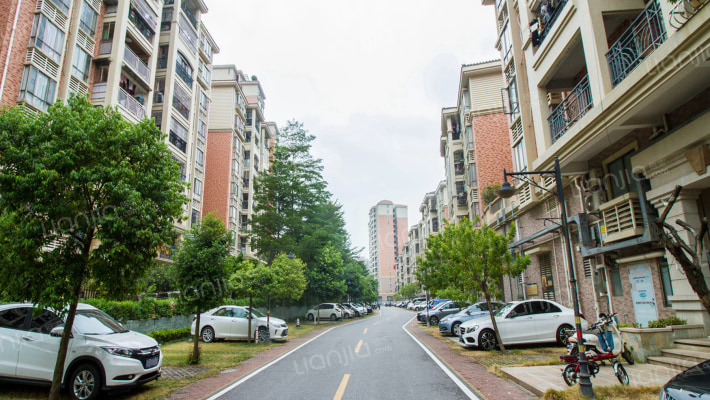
x=388 y=233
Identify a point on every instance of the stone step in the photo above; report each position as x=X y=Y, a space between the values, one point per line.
x=672 y=363
x=702 y=344
x=690 y=355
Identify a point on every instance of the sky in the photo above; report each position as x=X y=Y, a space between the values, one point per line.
x=368 y=78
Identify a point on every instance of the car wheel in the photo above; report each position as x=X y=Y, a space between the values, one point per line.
x=487 y=340
x=455 y=328
x=564 y=332
x=309 y=317
x=85 y=382
x=262 y=334
x=207 y=334
x=434 y=320
x=333 y=317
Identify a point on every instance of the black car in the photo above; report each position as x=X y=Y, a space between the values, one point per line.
x=693 y=383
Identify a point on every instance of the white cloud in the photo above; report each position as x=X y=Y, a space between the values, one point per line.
x=367 y=78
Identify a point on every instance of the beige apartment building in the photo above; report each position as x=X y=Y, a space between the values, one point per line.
x=141 y=57
x=387 y=234
x=618 y=91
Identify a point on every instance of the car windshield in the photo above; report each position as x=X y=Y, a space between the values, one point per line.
x=504 y=310
x=96 y=322
x=257 y=314
x=474 y=309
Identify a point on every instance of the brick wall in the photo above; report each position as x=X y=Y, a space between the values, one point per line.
x=13 y=76
x=492 y=146
x=218 y=163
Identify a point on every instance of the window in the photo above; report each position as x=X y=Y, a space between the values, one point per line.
x=163 y=56
x=87 y=21
x=548 y=285
x=616 y=287
x=520 y=310
x=620 y=176
x=63 y=5
x=249 y=119
x=158 y=115
x=513 y=103
x=47 y=37
x=181 y=101
x=14 y=318
x=195 y=217
x=45 y=322
x=37 y=89
x=81 y=64
x=159 y=90
x=666 y=281
x=199 y=157
x=201 y=127
x=167 y=19
x=178 y=135
x=544 y=307
x=520 y=158
x=184 y=69
x=107 y=31
x=197 y=191
x=204 y=102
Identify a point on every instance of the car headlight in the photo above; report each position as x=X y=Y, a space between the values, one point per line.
x=471 y=329
x=119 y=351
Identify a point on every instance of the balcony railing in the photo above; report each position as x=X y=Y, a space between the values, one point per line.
x=188 y=14
x=684 y=11
x=105 y=47
x=177 y=141
x=184 y=74
x=571 y=109
x=549 y=22
x=188 y=34
x=622 y=217
x=130 y=104
x=138 y=65
x=639 y=40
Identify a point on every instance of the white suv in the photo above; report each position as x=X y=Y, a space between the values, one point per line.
x=102 y=355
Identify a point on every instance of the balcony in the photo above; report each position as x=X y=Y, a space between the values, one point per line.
x=187 y=33
x=622 y=217
x=177 y=141
x=549 y=20
x=137 y=65
x=188 y=14
x=577 y=102
x=684 y=11
x=645 y=35
x=184 y=74
x=129 y=103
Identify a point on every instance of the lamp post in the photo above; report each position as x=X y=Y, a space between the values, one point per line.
x=507 y=191
x=268 y=295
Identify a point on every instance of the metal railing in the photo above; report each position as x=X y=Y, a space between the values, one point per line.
x=105 y=46
x=130 y=104
x=639 y=40
x=188 y=14
x=571 y=109
x=684 y=11
x=184 y=74
x=551 y=19
x=188 y=34
x=138 y=65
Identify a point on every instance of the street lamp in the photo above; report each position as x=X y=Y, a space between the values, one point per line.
x=268 y=295
x=507 y=191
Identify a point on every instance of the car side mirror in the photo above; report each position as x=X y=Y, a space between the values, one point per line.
x=58 y=331
x=511 y=315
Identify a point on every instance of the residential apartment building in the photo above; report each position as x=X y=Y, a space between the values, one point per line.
x=618 y=91
x=387 y=233
x=130 y=55
x=474 y=139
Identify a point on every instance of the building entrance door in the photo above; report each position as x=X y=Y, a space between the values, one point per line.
x=642 y=292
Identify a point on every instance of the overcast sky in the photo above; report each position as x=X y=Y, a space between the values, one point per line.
x=368 y=78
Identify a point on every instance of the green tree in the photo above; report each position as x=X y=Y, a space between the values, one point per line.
x=473 y=259
x=325 y=276
x=86 y=196
x=202 y=271
x=409 y=290
x=289 y=279
x=250 y=280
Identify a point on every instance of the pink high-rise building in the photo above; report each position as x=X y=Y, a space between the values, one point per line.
x=388 y=231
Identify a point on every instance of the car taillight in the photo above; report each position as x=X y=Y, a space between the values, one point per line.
x=337 y=309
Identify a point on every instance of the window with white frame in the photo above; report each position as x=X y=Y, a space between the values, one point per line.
x=521 y=160
x=37 y=88
x=47 y=37
x=197 y=188
x=88 y=19
x=199 y=157
x=81 y=64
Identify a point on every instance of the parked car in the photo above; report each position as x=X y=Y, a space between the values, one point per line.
x=435 y=302
x=232 y=322
x=325 y=311
x=347 y=311
x=438 y=312
x=358 y=309
x=449 y=325
x=412 y=304
x=529 y=321
x=102 y=354
x=691 y=384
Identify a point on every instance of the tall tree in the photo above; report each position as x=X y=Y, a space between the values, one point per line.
x=251 y=279
x=473 y=259
x=325 y=276
x=201 y=265
x=289 y=279
x=85 y=196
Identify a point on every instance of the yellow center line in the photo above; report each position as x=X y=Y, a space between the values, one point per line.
x=365 y=333
x=341 y=388
x=376 y=323
x=357 y=348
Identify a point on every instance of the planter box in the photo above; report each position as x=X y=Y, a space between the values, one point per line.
x=648 y=342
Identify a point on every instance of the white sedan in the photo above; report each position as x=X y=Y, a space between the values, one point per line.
x=232 y=322
x=529 y=321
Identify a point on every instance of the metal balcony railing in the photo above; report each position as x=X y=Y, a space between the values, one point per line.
x=184 y=74
x=684 y=11
x=138 y=65
x=131 y=104
x=571 y=109
x=550 y=21
x=645 y=35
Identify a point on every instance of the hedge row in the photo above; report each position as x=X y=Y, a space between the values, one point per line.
x=168 y=335
x=664 y=322
x=147 y=308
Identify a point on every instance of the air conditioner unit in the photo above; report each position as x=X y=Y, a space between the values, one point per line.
x=554 y=98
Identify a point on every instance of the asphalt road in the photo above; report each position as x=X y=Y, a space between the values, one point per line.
x=372 y=358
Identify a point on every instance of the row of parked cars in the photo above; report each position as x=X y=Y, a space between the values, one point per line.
x=518 y=322
x=338 y=311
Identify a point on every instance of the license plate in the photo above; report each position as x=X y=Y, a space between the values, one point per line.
x=152 y=362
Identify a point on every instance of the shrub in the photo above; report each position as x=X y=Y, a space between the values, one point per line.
x=664 y=322
x=147 y=308
x=167 y=335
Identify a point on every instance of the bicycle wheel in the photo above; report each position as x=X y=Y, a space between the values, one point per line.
x=569 y=374
x=620 y=373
